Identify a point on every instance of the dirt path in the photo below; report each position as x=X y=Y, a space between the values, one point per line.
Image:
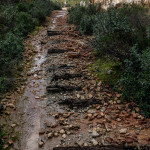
x=63 y=105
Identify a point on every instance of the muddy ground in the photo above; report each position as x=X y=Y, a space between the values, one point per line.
x=62 y=104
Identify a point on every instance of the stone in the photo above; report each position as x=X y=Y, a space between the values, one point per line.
x=62 y=131
x=54 y=125
x=78 y=95
x=56 y=134
x=5 y=146
x=89 y=115
x=41 y=143
x=10 y=142
x=50 y=135
x=123 y=131
x=42 y=131
x=94 y=142
x=11 y=105
x=95 y=134
x=13 y=125
x=85 y=144
x=64 y=136
x=80 y=143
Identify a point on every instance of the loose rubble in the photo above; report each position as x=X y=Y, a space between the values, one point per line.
x=64 y=104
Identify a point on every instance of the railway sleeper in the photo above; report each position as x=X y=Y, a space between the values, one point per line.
x=65 y=66
x=56 y=51
x=65 y=76
x=60 y=88
x=79 y=103
x=52 y=33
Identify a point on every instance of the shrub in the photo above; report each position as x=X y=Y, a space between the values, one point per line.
x=116 y=33
x=86 y=24
x=113 y=34
x=75 y=15
x=25 y=23
x=11 y=49
x=135 y=79
x=16 y=21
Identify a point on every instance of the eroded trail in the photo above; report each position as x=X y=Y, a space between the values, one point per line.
x=63 y=105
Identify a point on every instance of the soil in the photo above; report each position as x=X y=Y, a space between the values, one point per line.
x=63 y=104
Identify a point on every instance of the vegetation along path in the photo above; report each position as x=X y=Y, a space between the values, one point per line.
x=62 y=104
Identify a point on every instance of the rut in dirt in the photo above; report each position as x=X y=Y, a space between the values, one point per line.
x=63 y=105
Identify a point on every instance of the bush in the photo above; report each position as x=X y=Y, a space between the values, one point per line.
x=135 y=79
x=86 y=24
x=116 y=33
x=25 y=23
x=16 y=21
x=75 y=15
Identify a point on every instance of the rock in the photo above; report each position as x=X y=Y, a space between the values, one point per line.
x=118 y=119
x=78 y=95
x=50 y=135
x=90 y=96
x=66 y=115
x=42 y=131
x=89 y=115
x=91 y=111
x=94 y=142
x=95 y=134
x=11 y=105
x=73 y=54
x=54 y=125
x=13 y=125
x=64 y=136
x=62 y=131
x=85 y=144
x=10 y=142
x=102 y=114
x=137 y=109
x=5 y=146
x=7 y=112
x=80 y=143
x=56 y=134
x=41 y=143
x=123 y=131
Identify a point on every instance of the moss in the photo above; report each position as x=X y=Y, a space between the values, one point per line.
x=106 y=70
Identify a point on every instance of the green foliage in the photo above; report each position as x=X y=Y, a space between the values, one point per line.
x=86 y=24
x=106 y=70
x=17 y=20
x=11 y=50
x=25 y=23
x=75 y=15
x=116 y=33
x=135 y=79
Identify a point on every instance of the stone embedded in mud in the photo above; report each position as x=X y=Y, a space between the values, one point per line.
x=42 y=131
x=66 y=115
x=11 y=105
x=41 y=143
x=62 y=131
x=5 y=146
x=54 y=125
x=80 y=143
x=94 y=142
x=50 y=135
x=56 y=134
x=13 y=125
x=73 y=54
x=64 y=136
x=123 y=131
x=85 y=144
x=95 y=134
x=10 y=142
